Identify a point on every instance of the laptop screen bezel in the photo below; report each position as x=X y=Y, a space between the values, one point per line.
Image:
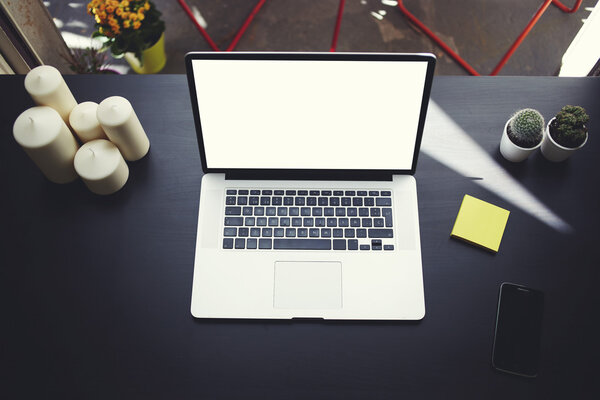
x=310 y=173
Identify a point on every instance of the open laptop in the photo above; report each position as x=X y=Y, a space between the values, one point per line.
x=308 y=204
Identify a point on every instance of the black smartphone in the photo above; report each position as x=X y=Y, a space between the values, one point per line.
x=518 y=330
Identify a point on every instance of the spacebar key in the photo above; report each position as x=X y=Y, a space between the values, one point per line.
x=302 y=244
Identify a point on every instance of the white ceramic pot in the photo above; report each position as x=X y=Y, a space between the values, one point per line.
x=511 y=151
x=554 y=151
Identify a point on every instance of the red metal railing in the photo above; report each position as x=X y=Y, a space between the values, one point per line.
x=512 y=48
x=420 y=25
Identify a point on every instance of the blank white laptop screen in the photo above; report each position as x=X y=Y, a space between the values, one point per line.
x=278 y=114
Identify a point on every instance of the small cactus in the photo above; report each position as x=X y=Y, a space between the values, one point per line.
x=568 y=128
x=526 y=128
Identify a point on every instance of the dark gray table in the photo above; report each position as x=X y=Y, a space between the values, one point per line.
x=95 y=291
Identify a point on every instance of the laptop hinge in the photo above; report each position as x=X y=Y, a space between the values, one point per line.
x=310 y=175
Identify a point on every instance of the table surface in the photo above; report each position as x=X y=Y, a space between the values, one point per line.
x=95 y=291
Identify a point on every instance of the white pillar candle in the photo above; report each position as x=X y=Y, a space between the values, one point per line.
x=48 y=141
x=123 y=128
x=101 y=166
x=84 y=122
x=47 y=87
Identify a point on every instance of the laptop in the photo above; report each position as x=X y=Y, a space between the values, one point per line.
x=308 y=203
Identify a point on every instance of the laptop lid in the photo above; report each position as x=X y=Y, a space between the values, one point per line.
x=309 y=115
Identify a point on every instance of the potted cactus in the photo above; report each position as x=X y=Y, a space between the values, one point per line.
x=523 y=133
x=565 y=133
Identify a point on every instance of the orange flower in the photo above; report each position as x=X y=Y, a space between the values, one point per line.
x=119 y=11
x=126 y=23
x=140 y=16
x=124 y=3
x=137 y=24
x=147 y=6
x=133 y=16
x=110 y=9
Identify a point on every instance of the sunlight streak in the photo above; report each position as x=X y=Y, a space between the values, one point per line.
x=448 y=143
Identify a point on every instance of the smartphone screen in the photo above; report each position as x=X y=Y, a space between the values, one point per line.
x=518 y=330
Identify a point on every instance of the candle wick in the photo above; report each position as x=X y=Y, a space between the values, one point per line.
x=30 y=120
x=93 y=154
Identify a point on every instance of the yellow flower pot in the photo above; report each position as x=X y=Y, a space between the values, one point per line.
x=154 y=58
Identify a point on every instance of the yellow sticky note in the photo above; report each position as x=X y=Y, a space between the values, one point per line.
x=480 y=223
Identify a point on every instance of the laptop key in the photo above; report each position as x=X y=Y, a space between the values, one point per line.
x=234 y=221
x=325 y=232
x=228 y=243
x=233 y=210
x=288 y=201
x=339 y=244
x=265 y=201
x=242 y=201
x=261 y=221
x=302 y=192
x=388 y=247
x=243 y=192
x=302 y=244
x=259 y=211
x=267 y=232
x=313 y=232
x=231 y=192
x=282 y=211
x=230 y=201
x=352 y=244
x=254 y=232
x=386 y=193
x=267 y=192
x=343 y=222
x=365 y=247
x=378 y=222
x=230 y=232
x=329 y=211
x=273 y=221
x=254 y=192
x=278 y=192
x=244 y=232
x=249 y=221
x=381 y=233
x=251 y=243
x=384 y=202
x=271 y=211
x=373 y=193
x=290 y=232
x=387 y=215
x=369 y=201
x=240 y=243
x=247 y=211
x=302 y=232
x=284 y=221
x=349 y=233
x=338 y=233
x=361 y=233
x=296 y=221
x=265 y=244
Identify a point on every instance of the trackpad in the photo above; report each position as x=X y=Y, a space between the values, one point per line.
x=312 y=285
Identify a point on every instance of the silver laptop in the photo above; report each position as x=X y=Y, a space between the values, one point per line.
x=308 y=204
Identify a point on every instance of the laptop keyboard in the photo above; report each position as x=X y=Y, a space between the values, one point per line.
x=270 y=219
